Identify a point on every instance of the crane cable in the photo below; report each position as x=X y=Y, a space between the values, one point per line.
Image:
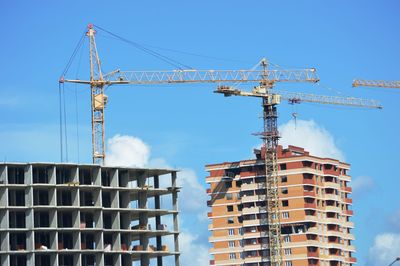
x=62 y=105
x=159 y=56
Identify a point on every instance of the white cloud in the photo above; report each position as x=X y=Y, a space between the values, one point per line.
x=193 y=194
x=312 y=137
x=386 y=248
x=131 y=151
x=127 y=151
x=362 y=185
x=193 y=253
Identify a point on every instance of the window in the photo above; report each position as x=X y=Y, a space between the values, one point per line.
x=228 y=196
x=288 y=251
x=284 y=190
x=283 y=166
x=239 y=183
x=285 y=215
x=284 y=179
x=238 y=196
x=288 y=263
x=232 y=256
x=286 y=239
x=231 y=232
x=231 y=244
x=230 y=220
x=229 y=208
x=240 y=231
x=285 y=203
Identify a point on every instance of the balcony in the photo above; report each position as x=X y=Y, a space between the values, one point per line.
x=251 y=186
x=332 y=209
x=247 y=174
x=334 y=233
x=332 y=197
x=245 y=199
x=251 y=210
x=309 y=193
x=347 y=189
x=352 y=260
x=311 y=218
x=309 y=181
x=209 y=214
x=298 y=238
x=254 y=222
x=348 y=224
x=254 y=234
x=310 y=205
x=208 y=190
x=333 y=220
x=348 y=200
x=336 y=257
x=314 y=230
x=313 y=254
x=331 y=184
x=348 y=212
x=250 y=246
x=331 y=172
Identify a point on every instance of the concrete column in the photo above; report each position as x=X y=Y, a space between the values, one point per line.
x=157 y=205
x=143 y=218
x=175 y=215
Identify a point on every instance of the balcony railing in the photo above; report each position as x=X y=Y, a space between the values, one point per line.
x=331 y=172
x=347 y=189
x=331 y=184
x=313 y=254
x=308 y=181
x=352 y=260
x=309 y=193
x=310 y=205
x=348 y=200
x=348 y=212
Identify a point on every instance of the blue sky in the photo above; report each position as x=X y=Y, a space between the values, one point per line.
x=187 y=125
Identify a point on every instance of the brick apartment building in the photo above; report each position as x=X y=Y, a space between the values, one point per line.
x=315 y=202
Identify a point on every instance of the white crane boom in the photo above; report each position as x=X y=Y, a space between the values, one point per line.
x=376 y=83
x=202 y=76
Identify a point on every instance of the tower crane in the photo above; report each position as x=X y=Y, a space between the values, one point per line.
x=270 y=136
x=376 y=83
x=265 y=78
x=98 y=81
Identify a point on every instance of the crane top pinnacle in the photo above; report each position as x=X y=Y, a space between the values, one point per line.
x=91 y=31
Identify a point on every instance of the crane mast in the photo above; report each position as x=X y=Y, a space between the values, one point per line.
x=270 y=137
x=98 y=100
x=264 y=77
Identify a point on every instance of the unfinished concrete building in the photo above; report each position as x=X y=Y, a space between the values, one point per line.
x=315 y=211
x=68 y=214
